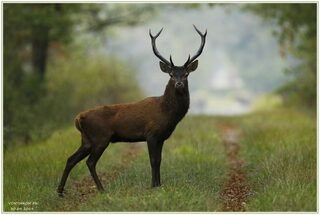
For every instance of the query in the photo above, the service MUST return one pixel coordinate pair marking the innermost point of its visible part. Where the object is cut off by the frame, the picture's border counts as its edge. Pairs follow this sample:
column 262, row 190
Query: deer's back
column 128, row 122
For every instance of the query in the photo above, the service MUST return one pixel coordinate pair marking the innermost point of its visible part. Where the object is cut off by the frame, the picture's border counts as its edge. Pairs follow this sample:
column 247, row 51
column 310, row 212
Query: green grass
column 279, row 148
column 280, row 152
column 193, row 167
column 32, row 172
column 192, row 172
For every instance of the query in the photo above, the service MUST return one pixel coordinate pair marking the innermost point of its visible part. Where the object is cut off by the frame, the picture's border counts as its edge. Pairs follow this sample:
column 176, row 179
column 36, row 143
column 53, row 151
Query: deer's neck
column 175, row 102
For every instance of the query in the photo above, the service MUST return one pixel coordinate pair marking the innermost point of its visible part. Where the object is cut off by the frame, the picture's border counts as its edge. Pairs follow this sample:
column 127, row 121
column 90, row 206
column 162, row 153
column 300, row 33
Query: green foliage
column 23, row 86
column 267, row 103
column 38, row 96
column 90, row 80
column 27, row 17
column 297, row 34
column 71, row 84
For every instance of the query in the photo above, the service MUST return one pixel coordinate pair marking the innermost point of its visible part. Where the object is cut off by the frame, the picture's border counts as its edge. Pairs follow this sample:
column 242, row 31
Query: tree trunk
column 40, row 44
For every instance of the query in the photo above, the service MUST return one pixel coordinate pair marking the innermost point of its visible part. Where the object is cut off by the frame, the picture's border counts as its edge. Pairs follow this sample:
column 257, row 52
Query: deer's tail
column 79, row 125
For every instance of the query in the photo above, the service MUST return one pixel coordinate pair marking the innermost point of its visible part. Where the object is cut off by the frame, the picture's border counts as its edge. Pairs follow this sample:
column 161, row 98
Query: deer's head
column 179, row 74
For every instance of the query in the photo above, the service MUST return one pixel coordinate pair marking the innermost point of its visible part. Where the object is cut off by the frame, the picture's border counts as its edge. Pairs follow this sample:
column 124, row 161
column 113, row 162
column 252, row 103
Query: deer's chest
column 163, row 129
column 164, row 132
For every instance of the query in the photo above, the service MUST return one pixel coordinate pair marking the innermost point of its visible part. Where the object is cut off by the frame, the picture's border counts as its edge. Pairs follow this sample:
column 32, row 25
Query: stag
column 152, row 119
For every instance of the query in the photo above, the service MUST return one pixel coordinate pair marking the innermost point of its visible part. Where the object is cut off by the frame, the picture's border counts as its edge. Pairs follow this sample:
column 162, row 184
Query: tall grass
column 280, row 152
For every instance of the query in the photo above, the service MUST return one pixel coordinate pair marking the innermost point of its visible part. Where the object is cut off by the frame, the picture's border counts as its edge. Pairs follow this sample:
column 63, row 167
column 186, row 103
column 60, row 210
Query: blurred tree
column 30, row 31
column 297, row 34
column 31, row 28
column 99, row 17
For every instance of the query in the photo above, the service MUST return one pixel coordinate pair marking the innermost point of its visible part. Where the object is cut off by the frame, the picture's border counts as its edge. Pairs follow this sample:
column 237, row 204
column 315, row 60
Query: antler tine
column 203, row 41
column 187, row 62
column 155, row 37
column 154, row 48
column 199, row 32
column 172, row 64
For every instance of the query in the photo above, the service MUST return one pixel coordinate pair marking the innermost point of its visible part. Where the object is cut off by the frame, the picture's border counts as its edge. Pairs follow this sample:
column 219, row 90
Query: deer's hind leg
column 96, row 152
column 82, row 152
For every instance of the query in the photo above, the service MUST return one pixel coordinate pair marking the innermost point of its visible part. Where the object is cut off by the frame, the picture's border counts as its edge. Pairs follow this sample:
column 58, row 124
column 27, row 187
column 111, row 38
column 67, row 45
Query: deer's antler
column 203, row 41
column 155, row 50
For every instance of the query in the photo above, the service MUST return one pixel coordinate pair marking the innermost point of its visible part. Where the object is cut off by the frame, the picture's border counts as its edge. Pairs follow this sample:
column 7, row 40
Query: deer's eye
column 171, row 74
column 186, row 74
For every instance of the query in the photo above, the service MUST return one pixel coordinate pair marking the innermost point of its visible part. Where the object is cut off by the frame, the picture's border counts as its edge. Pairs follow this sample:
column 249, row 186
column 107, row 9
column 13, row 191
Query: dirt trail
column 236, row 189
column 84, row 189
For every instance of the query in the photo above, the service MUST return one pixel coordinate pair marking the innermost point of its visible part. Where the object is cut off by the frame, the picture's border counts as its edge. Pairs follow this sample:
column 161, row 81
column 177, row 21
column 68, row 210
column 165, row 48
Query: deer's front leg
column 155, row 149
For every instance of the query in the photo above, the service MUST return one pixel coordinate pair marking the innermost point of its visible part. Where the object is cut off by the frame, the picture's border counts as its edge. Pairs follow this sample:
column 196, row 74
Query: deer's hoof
column 60, row 193
column 101, row 190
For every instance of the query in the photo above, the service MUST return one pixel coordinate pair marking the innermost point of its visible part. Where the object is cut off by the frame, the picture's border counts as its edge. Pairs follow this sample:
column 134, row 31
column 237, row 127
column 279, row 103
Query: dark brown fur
column 152, row 119
column 134, row 122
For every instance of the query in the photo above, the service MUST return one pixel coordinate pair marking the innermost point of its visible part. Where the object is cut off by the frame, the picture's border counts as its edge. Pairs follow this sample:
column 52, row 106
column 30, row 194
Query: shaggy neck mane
column 175, row 102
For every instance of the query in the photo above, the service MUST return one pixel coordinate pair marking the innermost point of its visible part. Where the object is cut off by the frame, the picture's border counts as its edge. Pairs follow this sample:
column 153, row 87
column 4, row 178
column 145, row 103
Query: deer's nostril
column 179, row 84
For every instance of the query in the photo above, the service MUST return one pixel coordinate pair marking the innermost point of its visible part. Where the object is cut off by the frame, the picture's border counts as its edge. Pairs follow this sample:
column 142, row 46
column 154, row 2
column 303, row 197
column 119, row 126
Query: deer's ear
column 192, row 66
column 164, row 67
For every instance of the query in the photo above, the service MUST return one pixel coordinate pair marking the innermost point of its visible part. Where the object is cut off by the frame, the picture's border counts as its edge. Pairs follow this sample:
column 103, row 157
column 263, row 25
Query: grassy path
column 236, row 189
column 209, row 164
column 85, row 189
column 280, row 149
column 192, row 166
